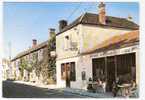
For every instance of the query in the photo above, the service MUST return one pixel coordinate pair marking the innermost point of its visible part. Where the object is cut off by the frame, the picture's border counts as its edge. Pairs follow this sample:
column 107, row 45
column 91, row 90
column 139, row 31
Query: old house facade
column 27, row 64
column 79, row 43
column 28, row 55
column 6, row 69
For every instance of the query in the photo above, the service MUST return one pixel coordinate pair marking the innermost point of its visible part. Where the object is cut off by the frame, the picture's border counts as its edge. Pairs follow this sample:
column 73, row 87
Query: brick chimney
column 62, row 24
column 102, row 17
column 34, row 42
column 51, row 32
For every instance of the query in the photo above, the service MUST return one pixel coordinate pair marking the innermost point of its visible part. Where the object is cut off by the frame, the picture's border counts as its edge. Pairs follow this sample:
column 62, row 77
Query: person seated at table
column 133, row 88
column 104, row 86
column 99, row 82
column 101, row 85
column 115, row 87
column 133, row 84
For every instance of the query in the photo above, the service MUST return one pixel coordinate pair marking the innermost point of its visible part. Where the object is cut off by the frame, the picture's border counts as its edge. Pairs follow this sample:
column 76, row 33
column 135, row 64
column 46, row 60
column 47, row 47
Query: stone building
column 37, row 52
column 6, row 69
column 88, row 46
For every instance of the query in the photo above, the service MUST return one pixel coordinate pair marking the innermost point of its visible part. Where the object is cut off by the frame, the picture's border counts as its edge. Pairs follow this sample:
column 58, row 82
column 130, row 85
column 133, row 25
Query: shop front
column 117, row 64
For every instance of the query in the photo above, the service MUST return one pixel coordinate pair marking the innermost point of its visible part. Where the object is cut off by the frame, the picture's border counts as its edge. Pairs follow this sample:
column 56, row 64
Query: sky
column 26, row 21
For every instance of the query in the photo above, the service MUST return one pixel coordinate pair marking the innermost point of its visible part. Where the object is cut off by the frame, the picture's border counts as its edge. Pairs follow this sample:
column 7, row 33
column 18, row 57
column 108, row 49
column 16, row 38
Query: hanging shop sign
column 53, row 53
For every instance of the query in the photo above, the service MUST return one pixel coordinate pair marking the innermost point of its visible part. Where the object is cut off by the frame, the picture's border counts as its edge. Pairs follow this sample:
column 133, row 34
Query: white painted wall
column 82, row 63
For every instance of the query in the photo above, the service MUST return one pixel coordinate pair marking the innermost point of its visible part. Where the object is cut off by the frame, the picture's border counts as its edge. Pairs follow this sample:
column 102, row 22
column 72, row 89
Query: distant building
column 96, row 46
column 37, row 51
column 6, row 70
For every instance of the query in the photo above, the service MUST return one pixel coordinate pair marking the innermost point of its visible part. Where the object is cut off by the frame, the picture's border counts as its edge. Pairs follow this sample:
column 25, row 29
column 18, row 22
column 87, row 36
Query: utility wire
column 74, row 10
column 85, row 9
column 90, row 7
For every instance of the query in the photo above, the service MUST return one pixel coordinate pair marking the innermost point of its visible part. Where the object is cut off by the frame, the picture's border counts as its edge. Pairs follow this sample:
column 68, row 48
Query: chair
column 134, row 92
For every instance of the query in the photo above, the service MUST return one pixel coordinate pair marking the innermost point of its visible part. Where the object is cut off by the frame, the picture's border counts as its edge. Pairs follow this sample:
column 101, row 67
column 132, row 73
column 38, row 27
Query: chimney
column 51, row 32
column 34, row 42
column 129, row 18
column 62, row 24
column 102, row 17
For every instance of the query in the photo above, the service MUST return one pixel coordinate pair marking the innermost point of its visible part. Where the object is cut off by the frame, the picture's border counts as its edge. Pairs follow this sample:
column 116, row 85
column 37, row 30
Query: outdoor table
column 124, row 88
column 92, row 82
column 94, row 85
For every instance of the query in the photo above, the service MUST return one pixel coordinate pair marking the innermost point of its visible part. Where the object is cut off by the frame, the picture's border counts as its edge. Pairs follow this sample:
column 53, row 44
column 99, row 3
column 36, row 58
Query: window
column 68, row 68
column 35, row 56
column 40, row 54
column 66, row 42
column 63, row 73
column 72, row 72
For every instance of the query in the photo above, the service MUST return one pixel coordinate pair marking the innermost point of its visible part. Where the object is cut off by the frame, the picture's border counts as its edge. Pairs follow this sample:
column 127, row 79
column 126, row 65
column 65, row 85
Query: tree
column 46, row 66
column 49, row 67
column 23, row 65
column 52, row 60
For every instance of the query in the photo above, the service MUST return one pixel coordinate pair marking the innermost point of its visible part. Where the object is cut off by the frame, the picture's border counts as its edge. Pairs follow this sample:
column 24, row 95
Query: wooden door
column 68, row 75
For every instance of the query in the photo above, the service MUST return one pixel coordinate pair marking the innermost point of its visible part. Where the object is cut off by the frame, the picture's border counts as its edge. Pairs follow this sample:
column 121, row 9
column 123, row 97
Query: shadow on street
column 16, row 90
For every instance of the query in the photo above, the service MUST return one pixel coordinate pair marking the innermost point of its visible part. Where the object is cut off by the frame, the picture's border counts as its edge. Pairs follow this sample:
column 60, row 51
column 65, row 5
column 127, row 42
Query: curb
column 88, row 94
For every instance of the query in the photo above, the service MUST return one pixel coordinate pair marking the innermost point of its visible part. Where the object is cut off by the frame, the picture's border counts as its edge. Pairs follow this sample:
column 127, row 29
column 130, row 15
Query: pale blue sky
column 25, row 21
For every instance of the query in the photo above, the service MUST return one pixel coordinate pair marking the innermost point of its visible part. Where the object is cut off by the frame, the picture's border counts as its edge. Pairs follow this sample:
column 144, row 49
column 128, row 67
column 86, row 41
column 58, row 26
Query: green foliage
column 23, row 64
column 47, row 65
column 52, row 60
column 26, row 64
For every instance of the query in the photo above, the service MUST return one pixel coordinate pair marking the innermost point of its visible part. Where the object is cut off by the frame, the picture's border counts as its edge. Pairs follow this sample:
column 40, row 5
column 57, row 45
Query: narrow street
column 16, row 90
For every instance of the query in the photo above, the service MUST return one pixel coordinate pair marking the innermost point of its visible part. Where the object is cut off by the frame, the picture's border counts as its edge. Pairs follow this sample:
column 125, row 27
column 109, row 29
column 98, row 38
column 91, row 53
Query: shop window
column 126, row 66
column 98, row 68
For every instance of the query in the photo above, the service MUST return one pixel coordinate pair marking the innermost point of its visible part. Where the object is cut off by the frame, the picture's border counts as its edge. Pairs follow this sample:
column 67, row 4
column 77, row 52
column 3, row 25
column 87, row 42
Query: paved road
column 16, row 90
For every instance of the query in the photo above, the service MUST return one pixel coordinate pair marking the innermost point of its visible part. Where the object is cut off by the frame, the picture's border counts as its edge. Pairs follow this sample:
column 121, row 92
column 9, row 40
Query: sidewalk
column 85, row 93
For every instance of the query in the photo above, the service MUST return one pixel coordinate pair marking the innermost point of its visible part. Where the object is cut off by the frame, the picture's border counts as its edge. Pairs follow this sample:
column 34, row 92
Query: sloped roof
column 119, row 41
column 30, row 50
column 93, row 19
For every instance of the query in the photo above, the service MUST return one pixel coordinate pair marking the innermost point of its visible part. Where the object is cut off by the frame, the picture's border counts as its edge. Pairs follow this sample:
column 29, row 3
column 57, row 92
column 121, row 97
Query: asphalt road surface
column 16, row 90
